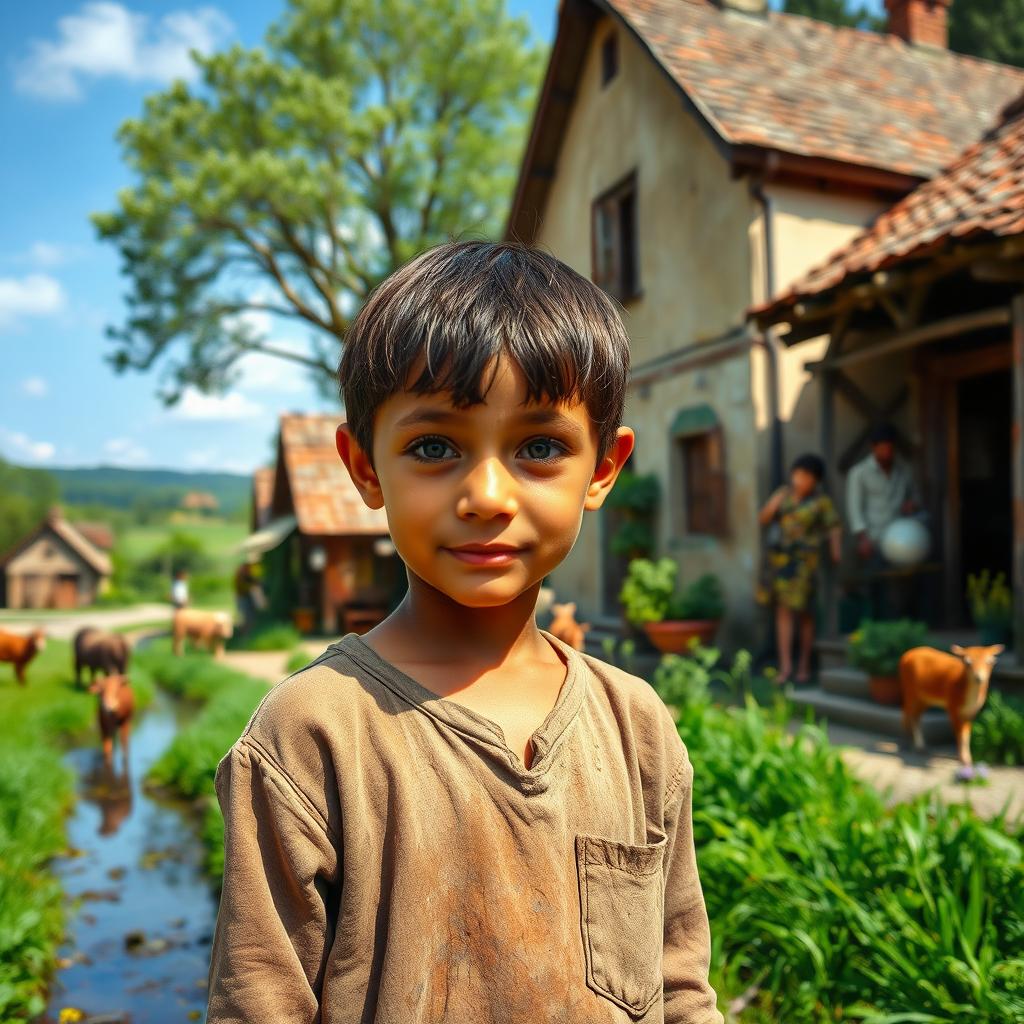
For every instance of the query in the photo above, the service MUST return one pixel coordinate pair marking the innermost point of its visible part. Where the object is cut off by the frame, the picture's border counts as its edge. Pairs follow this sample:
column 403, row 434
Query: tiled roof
column 262, row 495
column 99, row 534
column 325, row 499
column 804, row 87
column 981, row 195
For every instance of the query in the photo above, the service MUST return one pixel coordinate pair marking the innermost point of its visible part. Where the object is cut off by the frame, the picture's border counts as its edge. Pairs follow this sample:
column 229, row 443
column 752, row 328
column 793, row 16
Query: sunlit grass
column 36, row 791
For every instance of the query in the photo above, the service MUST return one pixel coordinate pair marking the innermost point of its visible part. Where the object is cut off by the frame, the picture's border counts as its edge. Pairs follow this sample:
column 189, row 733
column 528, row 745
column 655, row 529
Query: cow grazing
column 100, row 652
column 957, row 682
column 20, row 650
column 203, row 628
column 114, row 713
column 564, row 626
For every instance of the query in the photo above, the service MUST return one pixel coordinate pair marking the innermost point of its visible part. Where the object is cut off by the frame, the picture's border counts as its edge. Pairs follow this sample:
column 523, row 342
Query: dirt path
column 64, row 625
column 888, row 764
column 270, row 665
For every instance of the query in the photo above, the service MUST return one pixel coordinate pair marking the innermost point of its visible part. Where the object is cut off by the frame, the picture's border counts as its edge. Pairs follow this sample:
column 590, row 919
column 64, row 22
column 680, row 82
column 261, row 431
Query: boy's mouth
column 485, row 554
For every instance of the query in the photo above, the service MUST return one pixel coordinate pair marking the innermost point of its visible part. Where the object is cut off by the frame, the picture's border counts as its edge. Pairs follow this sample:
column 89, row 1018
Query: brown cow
column 204, row 629
column 114, row 713
column 957, row 682
column 20, row 650
column 100, row 652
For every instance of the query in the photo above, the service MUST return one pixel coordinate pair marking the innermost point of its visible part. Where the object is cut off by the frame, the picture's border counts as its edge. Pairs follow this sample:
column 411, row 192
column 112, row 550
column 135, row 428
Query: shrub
column 991, row 604
column 829, row 905
column 297, row 661
column 876, row 647
column 998, row 733
column 649, row 594
column 277, row 636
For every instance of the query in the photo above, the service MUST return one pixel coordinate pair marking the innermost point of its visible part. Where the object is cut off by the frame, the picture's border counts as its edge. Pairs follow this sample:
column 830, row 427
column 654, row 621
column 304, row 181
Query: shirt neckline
column 546, row 738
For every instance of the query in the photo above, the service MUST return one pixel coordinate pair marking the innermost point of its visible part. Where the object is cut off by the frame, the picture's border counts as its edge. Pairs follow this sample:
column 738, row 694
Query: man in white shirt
column 179, row 589
column 880, row 489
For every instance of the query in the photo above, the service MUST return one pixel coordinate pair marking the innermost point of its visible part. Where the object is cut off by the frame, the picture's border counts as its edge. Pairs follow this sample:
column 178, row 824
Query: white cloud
column 17, row 445
column 123, row 451
column 49, row 254
column 194, row 405
column 35, row 387
column 106, row 39
column 32, row 295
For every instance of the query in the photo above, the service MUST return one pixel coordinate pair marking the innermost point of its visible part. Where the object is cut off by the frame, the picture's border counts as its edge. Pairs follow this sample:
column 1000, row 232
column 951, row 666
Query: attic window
column 614, row 241
column 609, row 58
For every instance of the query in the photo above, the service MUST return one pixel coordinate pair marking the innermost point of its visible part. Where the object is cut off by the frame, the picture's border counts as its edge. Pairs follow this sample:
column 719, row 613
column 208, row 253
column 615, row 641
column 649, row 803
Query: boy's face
column 483, row 502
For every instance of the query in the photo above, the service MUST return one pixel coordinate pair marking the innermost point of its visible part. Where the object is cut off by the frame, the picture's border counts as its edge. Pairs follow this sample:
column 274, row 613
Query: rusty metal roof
column 325, row 500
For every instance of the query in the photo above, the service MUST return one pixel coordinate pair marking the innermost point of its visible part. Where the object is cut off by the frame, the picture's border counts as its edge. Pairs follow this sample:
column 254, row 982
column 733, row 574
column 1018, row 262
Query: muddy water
column 137, row 946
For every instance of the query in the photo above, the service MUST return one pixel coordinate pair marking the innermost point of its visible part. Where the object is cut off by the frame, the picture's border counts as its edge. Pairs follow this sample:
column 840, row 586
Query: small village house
column 55, row 566
column 201, row 502
column 696, row 158
column 322, row 549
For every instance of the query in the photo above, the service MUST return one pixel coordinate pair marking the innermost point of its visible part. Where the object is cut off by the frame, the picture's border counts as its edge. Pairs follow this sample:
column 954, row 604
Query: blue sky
column 70, row 72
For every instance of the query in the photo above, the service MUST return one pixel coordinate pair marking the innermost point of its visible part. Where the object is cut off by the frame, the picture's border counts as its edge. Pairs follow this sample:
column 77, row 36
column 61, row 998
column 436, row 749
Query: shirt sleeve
column 855, row 501
column 689, row 997
column 278, row 905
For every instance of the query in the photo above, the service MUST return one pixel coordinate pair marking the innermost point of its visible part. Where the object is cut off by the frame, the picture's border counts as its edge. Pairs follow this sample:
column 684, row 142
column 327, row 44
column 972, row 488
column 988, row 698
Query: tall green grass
column 833, row 907
column 36, row 792
column 227, row 698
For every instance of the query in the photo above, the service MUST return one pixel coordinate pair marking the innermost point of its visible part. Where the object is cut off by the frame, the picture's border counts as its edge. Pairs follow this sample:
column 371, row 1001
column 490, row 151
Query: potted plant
column 634, row 497
column 991, row 605
column 671, row 620
column 876, row 647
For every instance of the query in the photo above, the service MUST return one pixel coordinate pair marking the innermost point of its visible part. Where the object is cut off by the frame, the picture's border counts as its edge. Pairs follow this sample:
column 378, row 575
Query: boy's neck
column 429, row 627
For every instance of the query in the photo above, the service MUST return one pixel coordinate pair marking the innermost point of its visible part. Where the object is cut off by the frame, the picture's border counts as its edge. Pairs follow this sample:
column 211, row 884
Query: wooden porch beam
column 998, row 271
column 849, row 457
column 1017, row 334
column 897, row 341
column 870, row 410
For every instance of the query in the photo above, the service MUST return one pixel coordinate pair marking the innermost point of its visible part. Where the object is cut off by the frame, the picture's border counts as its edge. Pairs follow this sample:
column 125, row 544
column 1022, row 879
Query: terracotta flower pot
column 885, row 689
column 674, row 636
column 304, row 619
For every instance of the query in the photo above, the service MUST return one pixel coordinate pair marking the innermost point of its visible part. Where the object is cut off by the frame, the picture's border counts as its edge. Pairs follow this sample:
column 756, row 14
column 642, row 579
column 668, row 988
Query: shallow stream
column 138, row 944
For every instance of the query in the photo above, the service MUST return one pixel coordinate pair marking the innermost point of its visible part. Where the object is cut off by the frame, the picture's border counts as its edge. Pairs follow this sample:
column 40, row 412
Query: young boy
column 456, row 817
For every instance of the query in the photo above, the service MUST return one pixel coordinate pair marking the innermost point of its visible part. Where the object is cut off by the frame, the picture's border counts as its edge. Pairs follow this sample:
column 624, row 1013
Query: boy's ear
column 608, row 468
column 360, row 467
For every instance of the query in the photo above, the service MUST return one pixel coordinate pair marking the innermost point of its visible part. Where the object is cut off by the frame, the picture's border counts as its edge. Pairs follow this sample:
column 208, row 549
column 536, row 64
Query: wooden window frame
column 609, row 58
column 615, row 249
column 704, row 503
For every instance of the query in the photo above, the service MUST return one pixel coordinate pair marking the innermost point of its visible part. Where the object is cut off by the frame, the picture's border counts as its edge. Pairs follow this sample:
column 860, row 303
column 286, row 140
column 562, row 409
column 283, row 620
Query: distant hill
column 154, row 488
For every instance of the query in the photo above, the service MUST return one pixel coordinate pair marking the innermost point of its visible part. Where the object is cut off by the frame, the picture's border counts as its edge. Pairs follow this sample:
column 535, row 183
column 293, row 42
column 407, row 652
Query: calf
column 100, row 652
column 204, row 629
column 20, row 650
column 564, row 626
column 114, row 713
column 957, row 682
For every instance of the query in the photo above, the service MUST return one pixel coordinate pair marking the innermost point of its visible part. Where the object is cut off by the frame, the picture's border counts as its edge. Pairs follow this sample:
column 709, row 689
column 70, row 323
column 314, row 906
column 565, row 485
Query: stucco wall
column 693, row 225
column 809, row 226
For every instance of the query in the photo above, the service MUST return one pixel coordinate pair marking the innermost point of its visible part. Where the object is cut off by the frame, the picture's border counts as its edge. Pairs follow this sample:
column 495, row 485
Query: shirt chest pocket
column 622, row 914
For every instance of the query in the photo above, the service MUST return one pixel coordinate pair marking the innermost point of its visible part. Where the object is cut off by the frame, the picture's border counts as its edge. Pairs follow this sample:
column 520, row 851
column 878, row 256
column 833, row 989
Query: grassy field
column 219, row 540
column 36, row 791
column 226, row 699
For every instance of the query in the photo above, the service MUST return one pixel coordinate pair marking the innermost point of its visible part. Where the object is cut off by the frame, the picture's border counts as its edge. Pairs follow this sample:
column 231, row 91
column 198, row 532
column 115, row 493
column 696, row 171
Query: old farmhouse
column 696, row 158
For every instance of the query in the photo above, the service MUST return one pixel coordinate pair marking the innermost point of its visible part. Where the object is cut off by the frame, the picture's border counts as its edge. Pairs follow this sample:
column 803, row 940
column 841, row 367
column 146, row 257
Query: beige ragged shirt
column 389, row 859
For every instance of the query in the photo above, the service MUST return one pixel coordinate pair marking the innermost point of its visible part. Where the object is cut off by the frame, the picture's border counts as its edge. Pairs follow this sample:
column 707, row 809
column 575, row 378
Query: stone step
column 845, row 681
column 864, row 714
column 831, row 654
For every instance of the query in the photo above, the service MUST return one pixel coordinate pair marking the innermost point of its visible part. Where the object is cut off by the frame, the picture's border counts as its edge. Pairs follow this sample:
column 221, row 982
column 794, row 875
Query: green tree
column 26, row 495
column 297, row 175
column 993, row 29
column 835, row 12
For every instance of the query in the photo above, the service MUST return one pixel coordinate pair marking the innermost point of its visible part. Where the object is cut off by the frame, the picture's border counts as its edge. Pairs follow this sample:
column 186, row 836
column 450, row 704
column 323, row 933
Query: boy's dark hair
column 810, row 463
column 447, row 314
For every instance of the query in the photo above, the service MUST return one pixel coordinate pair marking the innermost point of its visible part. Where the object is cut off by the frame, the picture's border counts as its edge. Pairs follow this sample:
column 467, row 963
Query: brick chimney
column 922, row 22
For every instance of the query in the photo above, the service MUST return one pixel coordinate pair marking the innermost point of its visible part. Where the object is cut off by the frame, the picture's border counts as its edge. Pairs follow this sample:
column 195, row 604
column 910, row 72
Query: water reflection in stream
column 137, row 948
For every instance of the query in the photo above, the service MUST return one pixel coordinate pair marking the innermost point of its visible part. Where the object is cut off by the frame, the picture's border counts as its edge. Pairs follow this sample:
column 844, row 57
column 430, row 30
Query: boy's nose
column 488, row 491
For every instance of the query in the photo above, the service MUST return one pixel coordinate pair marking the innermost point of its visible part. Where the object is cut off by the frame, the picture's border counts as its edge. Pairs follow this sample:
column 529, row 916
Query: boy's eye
column 542, row 449
column 432, row 449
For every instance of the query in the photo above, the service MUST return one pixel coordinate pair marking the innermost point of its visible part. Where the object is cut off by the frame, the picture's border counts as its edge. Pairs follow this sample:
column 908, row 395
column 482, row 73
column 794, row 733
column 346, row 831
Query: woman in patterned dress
column 804, row 518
